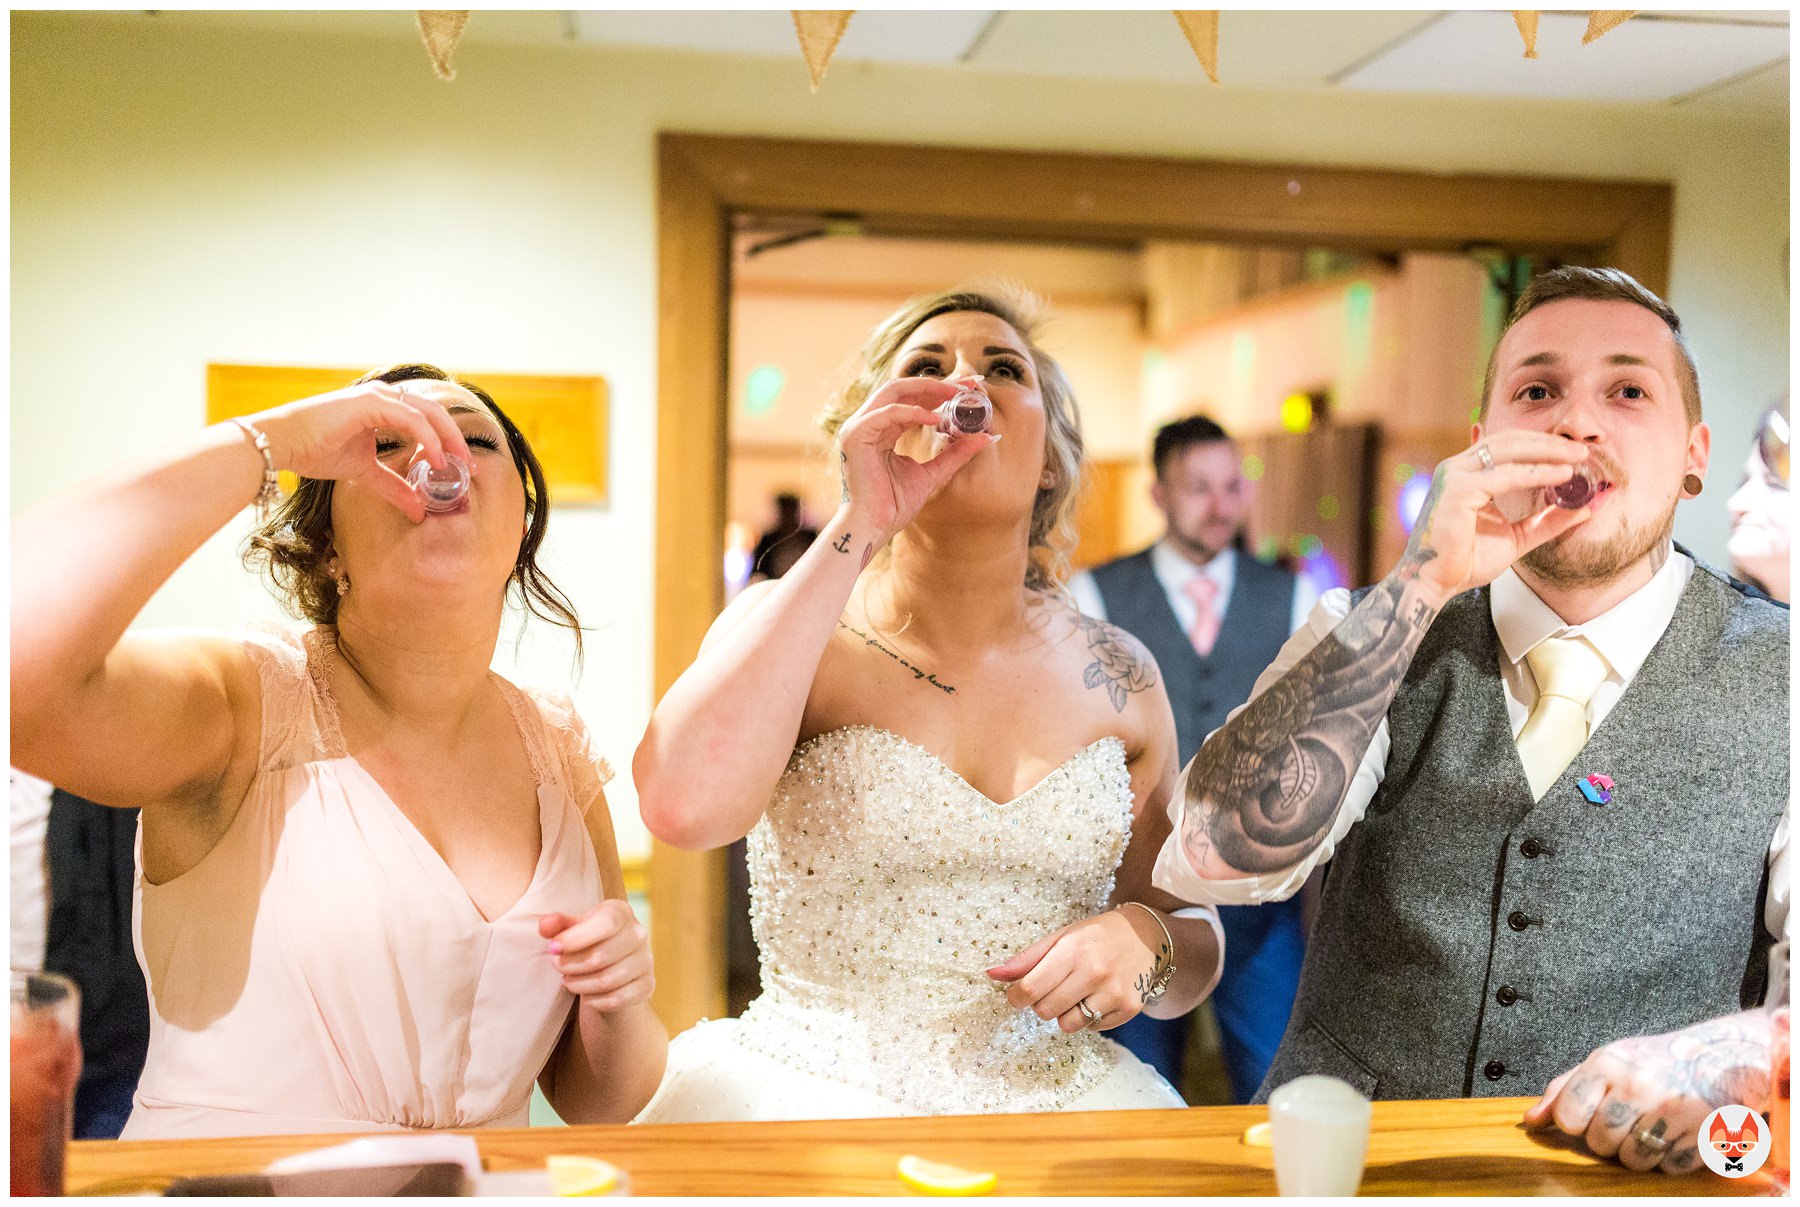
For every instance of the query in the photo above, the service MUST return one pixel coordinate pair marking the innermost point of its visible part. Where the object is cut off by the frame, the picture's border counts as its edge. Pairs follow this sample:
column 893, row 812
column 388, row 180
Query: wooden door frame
column 896, row 189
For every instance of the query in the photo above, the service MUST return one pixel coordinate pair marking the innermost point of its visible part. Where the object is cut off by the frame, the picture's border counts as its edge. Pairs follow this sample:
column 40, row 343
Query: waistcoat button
column 1493, row 1070
column 1507, row 995
column 1517, row 920
column 1530, row 848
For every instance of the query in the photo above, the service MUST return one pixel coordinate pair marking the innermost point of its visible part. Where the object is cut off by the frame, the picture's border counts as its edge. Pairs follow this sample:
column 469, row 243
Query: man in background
column 780, row 548
column 1214, row 617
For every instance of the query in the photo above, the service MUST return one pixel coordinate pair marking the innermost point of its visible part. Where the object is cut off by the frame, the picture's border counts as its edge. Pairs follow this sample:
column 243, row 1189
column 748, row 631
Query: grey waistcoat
column 1471, row 943
column 1202, row 690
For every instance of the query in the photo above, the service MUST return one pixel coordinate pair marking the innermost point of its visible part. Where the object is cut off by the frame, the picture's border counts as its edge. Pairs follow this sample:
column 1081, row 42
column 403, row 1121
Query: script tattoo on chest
column 1121, row 665
column 917, row 673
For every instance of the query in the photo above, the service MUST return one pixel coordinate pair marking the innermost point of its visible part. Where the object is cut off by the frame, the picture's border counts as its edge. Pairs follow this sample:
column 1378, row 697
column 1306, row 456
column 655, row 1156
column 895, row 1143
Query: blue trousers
column 1264, row 945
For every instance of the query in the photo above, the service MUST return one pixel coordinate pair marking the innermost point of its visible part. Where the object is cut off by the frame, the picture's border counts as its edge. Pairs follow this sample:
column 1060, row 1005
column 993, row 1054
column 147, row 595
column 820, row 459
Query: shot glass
column 46, row 1062
column 968, row 413
column 1320, row 1129
column 442, row 489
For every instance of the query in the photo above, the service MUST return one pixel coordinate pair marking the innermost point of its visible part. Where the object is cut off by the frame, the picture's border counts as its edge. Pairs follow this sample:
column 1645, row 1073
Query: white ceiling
column 1713, row 59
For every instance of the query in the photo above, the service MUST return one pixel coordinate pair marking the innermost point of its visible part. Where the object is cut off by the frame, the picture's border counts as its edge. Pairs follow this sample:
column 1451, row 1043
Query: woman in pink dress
column 375, row 878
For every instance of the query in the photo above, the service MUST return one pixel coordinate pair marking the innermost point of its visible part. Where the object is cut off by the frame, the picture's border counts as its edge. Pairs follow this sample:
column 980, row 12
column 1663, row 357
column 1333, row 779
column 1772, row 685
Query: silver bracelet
column 270, row 494
column 1159, row 981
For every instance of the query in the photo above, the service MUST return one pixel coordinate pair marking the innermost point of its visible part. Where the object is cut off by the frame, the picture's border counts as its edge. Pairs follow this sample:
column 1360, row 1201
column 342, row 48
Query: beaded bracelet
column 271, row 482
column 1159, row 981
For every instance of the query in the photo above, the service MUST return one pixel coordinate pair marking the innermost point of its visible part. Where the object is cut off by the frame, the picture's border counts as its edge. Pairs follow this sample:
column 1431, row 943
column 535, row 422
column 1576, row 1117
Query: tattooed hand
column 1660, row 1086
column 1461, row 540
column 1263, row 791
column 1105, row 961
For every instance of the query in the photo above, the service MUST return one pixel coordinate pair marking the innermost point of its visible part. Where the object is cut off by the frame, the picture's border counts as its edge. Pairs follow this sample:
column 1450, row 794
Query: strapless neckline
column 908, row 743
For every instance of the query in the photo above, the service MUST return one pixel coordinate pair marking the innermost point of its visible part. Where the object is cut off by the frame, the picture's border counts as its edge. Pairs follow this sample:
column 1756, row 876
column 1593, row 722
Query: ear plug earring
column 1692, row 485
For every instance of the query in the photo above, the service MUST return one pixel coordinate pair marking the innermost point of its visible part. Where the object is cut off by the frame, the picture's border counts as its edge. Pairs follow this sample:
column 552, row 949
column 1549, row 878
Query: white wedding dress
column 882, row 886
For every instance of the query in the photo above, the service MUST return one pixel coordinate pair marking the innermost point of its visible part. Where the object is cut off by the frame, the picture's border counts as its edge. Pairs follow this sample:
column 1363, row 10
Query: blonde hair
column 1053, row 532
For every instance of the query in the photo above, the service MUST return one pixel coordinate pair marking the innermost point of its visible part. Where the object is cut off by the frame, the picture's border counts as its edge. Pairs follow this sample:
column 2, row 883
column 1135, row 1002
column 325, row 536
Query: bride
column 954, row 784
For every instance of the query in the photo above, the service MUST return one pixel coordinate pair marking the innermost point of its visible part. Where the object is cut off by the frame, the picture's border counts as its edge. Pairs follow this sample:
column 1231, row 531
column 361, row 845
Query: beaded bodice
column 883, row 885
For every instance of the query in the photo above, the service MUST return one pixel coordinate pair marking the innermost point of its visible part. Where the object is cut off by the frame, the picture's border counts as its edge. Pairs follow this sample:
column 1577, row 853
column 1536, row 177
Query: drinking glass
column 46, row 1061
column 1320, row 1127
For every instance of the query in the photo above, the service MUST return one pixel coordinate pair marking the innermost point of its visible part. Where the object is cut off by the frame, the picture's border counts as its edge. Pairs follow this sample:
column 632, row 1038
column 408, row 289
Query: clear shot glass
column 442, row 489
column 967, row 414
column 1576, row 493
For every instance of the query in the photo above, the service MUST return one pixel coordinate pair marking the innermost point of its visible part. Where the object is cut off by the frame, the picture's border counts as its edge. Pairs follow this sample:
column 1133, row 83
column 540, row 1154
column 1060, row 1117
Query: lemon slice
column 1259, row 1135
column 929, row 1177
column 578, row 1177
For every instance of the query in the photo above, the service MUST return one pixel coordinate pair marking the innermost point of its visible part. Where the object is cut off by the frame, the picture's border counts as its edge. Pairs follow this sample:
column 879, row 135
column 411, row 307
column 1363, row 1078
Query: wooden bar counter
column 1467, row 1147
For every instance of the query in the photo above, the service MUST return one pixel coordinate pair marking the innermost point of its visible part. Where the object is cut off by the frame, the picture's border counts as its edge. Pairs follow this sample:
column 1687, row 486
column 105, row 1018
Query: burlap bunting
column 441, row 27
column 1202, row 29
column 819, row 30
column 1526, row 20
column 1599, row 21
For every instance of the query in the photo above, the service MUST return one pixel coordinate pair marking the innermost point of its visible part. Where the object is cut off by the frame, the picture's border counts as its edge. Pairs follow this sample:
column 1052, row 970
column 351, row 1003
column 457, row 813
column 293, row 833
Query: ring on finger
column 1652, row 1140
column 1486, row 458
column 1089, row 1013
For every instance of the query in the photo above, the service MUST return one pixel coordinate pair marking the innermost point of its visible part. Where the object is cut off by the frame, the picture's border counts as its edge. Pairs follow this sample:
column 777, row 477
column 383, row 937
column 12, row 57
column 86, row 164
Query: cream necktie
column 1568, row 670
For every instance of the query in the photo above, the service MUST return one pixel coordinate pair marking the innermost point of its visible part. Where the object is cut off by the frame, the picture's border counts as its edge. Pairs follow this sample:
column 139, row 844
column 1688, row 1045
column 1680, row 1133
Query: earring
column 1692, row 486
column 1047, row 481
column 343, row 583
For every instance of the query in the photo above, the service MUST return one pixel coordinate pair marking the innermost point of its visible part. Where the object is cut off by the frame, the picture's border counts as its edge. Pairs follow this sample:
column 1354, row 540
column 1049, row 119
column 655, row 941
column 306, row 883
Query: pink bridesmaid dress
column 323, row 970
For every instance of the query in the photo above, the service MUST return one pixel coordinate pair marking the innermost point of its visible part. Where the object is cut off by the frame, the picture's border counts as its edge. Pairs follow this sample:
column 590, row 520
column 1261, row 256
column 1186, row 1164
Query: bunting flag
column 1526, row 20
column 1601, row 20
column 819, row 30
column 441, row 27
column 1202, row 29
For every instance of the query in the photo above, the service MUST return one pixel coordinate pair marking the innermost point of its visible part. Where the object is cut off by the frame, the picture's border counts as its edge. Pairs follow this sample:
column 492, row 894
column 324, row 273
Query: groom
column 1510, row 896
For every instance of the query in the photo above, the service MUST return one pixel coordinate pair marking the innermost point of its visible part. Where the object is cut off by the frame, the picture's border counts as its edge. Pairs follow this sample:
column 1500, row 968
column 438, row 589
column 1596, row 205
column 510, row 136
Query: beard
column 1568, row 561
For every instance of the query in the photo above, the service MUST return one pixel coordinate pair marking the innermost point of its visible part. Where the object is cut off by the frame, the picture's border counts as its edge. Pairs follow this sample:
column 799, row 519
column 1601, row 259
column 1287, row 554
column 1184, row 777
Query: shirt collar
column 1624, row 635
column 1172, row 566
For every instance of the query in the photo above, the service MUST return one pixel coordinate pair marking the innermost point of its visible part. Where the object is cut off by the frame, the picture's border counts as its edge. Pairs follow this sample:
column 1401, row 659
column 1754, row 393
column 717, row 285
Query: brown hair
column 1053, row 532
column 294, row 545
column 1601, row 285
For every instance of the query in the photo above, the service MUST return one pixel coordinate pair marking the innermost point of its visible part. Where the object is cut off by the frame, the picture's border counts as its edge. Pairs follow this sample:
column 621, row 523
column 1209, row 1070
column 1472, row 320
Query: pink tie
column 1203, row 591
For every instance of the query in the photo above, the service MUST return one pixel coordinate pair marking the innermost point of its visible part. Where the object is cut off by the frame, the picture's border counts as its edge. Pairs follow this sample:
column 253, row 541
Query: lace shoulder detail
column 558, row 743
column 299, row 721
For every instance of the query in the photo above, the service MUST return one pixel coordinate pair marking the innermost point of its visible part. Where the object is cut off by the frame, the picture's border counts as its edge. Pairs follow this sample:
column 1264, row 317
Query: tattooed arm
column 1264, row 790
column 1659, row 1087
column 719, row 739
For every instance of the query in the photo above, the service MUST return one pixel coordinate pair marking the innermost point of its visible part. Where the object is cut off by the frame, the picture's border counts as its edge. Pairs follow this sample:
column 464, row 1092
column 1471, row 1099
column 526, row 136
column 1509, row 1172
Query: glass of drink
column 967, row 413
column 1320, row 1129
column 46, row 1061
column 442, row 489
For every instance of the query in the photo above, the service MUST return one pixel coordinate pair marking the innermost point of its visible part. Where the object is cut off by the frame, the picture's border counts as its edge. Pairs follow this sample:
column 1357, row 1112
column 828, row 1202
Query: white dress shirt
column 1624, row 636
column 30, row 877
column 1174, row 571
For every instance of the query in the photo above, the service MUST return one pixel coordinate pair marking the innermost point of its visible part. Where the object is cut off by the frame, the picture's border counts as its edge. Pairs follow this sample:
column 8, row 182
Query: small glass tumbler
column 442, row 489
column 46, row 1062
column 1574, row 494
column 966, row 414
column 1320, row 1128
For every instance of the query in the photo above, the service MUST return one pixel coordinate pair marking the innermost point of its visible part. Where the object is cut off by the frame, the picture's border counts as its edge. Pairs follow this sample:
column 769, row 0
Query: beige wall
column 182, row 197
